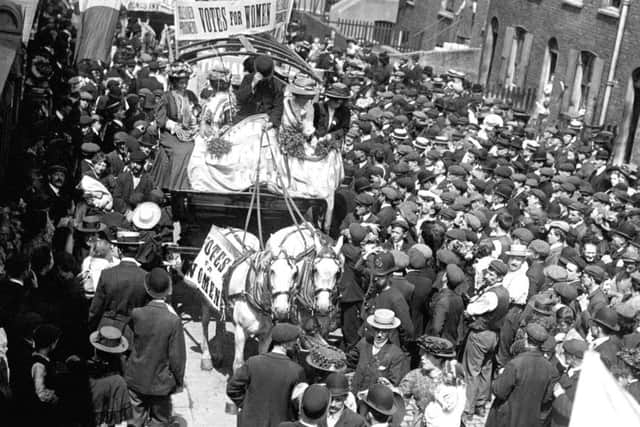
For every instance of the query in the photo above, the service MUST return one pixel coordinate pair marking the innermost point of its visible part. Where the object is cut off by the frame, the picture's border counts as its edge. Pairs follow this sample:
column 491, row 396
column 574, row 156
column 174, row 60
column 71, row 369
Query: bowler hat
column 315, row 401
column 157, row 283
column 264, row 65
column 608, row 318
column 380, row 399
column 338, row 384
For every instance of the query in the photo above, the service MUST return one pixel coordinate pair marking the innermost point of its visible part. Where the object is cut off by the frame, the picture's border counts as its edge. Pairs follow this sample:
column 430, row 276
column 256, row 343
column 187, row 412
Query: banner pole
column 175, row 28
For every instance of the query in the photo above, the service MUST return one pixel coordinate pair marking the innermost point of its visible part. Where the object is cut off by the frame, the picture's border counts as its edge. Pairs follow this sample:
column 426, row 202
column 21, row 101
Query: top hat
column 109, row 339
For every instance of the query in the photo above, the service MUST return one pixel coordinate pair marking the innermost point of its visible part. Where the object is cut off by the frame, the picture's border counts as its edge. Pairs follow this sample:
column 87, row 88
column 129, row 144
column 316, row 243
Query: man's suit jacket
column 12, row 296
column 446, row 315
column 158, row 352
column 340, row 121
column 262, row 389
column 120, row 290
column 268, row 98
column 562, row 405
column 609, row 351
column 390, row 362
column 348, row 418
column 124, row 189
column 423, row 282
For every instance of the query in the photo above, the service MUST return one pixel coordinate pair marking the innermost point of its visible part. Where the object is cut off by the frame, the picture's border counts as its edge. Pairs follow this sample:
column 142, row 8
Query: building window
column 581, row 82
column 446, row 5
column 610, row 8
column 552, row 48
column 515, row 56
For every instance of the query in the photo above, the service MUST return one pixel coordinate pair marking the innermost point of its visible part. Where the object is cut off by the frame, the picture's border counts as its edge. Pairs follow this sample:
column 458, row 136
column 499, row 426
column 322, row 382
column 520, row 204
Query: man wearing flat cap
column 262, row 387
column 524, row 385
column 260, row 92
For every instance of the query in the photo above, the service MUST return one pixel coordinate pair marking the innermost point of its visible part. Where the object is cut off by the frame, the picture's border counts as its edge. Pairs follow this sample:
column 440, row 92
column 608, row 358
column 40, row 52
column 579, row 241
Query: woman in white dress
column 297, row 130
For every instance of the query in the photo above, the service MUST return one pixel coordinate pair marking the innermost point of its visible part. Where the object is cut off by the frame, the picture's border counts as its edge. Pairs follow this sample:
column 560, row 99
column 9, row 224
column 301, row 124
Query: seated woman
column 297, row 129
column 177, row 122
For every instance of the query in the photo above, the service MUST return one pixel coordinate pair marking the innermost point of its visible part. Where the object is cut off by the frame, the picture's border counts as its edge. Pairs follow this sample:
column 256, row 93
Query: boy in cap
column 262, row 387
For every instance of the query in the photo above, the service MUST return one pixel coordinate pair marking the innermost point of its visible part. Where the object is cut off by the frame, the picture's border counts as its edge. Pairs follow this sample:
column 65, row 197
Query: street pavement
column 202, row 402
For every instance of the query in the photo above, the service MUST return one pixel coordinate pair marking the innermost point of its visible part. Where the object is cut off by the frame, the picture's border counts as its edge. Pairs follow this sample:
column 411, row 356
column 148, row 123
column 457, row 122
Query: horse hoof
column 206, row 365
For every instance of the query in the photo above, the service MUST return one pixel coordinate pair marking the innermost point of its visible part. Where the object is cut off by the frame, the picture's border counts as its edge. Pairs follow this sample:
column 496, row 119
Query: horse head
column 327, row 269
column 282, row 276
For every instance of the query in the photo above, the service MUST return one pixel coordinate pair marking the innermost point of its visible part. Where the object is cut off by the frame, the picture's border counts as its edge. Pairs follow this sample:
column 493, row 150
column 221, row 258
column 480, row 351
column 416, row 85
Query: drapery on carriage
column 223, row 184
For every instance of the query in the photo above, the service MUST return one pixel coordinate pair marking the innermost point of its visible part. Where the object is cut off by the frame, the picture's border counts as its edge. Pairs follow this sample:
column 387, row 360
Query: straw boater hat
column 125, row 237
column 146, row 215
column 517, row 251
column 109, row 339
column 383, row 318
column 303, row 86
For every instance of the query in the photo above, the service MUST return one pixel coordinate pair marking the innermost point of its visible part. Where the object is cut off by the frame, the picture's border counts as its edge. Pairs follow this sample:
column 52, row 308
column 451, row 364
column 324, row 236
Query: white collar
column 18, row 281
column 599, row 341
column 133, row 260
column 55, row 189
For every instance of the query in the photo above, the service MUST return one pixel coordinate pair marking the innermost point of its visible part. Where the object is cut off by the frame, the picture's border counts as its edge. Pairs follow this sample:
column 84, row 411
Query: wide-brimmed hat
column 400, row 134
column 218, row 72
column 146, row 215
column 380, row 399
column 109, row 339
column 180, row 70
column 157, row 283
column 303, row 86
column 338, row 91
column 383, row 318
column 517, row 250
column 91, row 224
column 126, row 237
column 327, row 358
column 436, row 346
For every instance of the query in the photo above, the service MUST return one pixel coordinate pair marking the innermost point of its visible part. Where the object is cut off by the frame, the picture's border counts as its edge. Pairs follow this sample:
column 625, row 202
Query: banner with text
column 212, row 19
column 211, row 264
column 161, row 6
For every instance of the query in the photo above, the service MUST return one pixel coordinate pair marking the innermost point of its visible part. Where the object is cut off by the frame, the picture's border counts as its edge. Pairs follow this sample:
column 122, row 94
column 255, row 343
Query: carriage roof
column 246, row 45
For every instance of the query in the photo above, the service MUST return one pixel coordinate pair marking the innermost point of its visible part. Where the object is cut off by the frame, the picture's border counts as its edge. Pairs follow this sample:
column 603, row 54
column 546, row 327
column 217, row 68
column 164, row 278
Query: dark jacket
column 124, row 189
column 262, row 388
column 446, row 315
column 351, row 285
column 340, row 121
column 390, row 362
column 422, row 294
column 348, row 418
column 562, row 405
column 158, row 352
column 12, row 296
column 119, row 290
column 608, row 351
column 521, row 390
column 268, row 98
column 393, row 300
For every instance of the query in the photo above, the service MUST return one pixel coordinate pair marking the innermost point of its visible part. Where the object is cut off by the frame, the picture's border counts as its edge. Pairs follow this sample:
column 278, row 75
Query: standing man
column 487, row 312
column 155, row 369
column 120, row 288
column 260, row 92
column 524, row 385
column 339, row 415
column 261, row 388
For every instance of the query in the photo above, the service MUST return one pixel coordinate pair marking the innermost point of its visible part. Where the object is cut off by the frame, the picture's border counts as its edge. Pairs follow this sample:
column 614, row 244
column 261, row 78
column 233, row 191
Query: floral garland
column 292, row 142
column 324, row 146
column 217, row 146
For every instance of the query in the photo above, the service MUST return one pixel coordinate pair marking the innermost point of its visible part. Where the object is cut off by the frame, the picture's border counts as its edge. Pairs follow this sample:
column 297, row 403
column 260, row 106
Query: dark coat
column 262, row 388
column 268, row 98
column 405, row 287
column 421, row 297
column 12, row 296
column 390, row 362
column 348, row 418
column 120, row 290
column 116, row 163
column 562, row 405
column 521, row 390
column 124, row 189
column 393, row 300
column 446, row 315
column 608, row 351
column 351, row 287
column 158, row 352
column 339, row 125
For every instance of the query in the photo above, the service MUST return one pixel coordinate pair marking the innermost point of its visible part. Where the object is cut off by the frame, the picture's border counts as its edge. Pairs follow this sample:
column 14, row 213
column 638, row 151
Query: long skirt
column 169, row 168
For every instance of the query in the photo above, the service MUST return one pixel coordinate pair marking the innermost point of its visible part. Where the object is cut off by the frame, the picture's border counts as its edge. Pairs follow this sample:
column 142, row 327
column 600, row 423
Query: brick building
column 564, row 49
column 431, row 23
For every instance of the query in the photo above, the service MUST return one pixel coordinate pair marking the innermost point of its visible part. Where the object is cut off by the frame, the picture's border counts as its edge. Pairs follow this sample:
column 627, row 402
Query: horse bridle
column 291, row 262
column 328, row 254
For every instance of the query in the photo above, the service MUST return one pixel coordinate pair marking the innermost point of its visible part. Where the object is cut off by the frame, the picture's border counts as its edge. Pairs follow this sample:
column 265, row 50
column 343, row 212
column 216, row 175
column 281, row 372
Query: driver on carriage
column 260, row 92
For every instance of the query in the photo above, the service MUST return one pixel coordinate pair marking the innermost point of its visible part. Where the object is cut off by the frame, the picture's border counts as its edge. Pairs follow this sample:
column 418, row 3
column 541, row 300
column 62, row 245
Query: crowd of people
column 485, row 249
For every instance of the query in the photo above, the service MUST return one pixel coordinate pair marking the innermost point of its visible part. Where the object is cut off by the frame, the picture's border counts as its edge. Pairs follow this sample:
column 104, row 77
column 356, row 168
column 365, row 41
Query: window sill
column 578, row 4
column 612, row 12
column 446, row 14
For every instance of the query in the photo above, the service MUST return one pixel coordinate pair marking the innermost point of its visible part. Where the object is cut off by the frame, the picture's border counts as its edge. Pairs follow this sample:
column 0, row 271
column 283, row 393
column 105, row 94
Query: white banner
column 212, row 19
column 162, row 6
column 208, row 269
column 86, row 4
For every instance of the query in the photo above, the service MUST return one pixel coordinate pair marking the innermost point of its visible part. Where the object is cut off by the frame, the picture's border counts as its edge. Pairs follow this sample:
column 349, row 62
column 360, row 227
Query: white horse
column 266, row 287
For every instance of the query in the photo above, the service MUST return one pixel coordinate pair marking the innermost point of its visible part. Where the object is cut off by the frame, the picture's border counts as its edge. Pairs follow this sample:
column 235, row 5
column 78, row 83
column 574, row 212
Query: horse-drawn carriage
column 250, row 223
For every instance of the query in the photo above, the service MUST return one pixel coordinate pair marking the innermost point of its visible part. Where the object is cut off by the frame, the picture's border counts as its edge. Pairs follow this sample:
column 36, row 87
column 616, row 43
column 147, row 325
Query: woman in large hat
column 218, row 111
column 177, row 123
column 110, row 399
column 297, row 128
